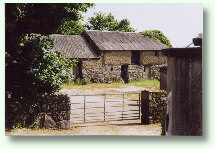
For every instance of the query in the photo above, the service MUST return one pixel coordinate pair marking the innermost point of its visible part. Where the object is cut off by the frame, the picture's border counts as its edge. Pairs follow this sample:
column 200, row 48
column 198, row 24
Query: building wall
column 184, row 80
column 152, row 58
column 116, row 57
column 97, row 72
column 135, row 72
column 109, row 67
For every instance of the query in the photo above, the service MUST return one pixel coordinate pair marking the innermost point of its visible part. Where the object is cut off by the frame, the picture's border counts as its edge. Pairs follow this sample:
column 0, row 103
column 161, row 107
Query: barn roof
column 73, row 46
column 92, row 42
column 114, row 40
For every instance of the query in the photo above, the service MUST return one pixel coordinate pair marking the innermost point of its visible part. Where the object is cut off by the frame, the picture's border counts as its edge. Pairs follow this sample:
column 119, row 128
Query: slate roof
column 114, row 40
column 73, row 46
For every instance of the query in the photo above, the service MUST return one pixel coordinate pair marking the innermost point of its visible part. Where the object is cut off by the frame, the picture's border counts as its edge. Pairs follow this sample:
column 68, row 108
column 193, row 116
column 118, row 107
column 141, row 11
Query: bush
column 35, row 70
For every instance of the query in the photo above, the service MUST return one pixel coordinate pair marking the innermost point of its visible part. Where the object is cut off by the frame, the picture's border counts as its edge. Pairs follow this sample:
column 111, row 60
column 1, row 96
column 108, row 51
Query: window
column 156, row 53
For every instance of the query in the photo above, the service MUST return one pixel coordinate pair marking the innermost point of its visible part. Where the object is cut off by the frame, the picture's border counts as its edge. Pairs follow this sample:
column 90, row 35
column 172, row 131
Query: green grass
column 148, row 83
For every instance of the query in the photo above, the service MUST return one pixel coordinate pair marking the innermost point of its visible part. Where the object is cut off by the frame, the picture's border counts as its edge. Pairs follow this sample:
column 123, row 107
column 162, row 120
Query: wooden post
column 145, row 107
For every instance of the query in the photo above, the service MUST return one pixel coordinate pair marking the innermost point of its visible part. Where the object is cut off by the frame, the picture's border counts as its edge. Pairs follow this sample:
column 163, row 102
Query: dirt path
column 96, row 129
column 122, row 89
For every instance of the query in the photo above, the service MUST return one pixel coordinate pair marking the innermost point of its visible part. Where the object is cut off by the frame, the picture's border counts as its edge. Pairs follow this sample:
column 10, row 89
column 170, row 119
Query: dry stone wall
column 112, row 73
column 97, row 72
column 102, row 74
column 153, row 106
column 55, row 112
column 155, row 71
column 116, row 57
column 157, row 106
column 136, row 71
column 108, row 68
column 149, row 58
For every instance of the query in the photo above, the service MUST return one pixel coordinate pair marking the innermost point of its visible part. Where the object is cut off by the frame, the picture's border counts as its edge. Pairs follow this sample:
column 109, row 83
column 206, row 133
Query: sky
column 179, row 22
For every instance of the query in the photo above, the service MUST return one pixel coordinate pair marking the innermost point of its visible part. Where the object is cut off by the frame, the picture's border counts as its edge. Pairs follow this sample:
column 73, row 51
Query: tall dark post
column 145, row 107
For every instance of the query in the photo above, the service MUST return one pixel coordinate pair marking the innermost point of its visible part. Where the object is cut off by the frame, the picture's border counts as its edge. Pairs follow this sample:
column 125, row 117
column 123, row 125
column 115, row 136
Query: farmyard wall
column 116, row 57
column 152, row 58
column 153, row 106
column 109, row 69
column 56, row 110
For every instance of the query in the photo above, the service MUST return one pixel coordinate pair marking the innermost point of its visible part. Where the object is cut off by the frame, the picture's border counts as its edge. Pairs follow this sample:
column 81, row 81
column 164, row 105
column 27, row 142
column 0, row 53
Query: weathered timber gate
column 105, row 107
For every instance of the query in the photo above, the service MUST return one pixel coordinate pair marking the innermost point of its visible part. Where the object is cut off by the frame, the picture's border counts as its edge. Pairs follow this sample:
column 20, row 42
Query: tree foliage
column 104, row 22
column 43, row 18
column 158, row 35
column 36, row 70
column 71, row 28
column 31, row 67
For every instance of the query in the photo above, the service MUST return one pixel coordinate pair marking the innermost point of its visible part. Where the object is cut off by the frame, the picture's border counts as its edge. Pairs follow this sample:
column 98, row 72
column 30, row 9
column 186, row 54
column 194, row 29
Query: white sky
column 179, row 22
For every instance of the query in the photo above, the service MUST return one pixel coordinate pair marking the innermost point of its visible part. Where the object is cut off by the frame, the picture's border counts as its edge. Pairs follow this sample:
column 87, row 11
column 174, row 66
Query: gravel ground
column 95, row 129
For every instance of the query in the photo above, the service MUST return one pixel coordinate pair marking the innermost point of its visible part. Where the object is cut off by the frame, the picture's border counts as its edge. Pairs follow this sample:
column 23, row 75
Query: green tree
column 70, row 28
column 31, row 67
column 103, row 22
column 158, row 35
column 36, row 70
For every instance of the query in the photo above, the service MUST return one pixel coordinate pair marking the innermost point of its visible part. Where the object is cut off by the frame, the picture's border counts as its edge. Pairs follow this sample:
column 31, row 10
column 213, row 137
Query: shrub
column 35, row 70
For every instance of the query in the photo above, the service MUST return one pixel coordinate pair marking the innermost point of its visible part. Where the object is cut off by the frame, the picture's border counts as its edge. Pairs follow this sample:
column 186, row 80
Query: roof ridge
column 63, row 35
column 110, row 31
column 115, row 40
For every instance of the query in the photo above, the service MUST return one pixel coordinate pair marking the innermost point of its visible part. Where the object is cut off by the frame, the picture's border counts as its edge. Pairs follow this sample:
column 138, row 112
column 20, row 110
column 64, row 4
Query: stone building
column 107, row 56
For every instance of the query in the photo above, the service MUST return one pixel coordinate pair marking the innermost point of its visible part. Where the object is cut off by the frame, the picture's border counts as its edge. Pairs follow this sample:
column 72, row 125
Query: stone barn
column 108, row 56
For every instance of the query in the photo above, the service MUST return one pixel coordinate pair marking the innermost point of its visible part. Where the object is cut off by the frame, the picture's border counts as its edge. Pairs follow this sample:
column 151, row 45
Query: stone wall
column 106, row 69
column 96, row 72
column 116, row 57
column 155, row 71
column 109, row 67
column 153, row 106
column 55, row 112
column 136, row 71
column 112, row 73
column 152, row 58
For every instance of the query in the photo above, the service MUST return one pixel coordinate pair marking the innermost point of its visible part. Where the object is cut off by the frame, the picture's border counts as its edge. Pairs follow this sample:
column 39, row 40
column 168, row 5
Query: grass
column 148, row 83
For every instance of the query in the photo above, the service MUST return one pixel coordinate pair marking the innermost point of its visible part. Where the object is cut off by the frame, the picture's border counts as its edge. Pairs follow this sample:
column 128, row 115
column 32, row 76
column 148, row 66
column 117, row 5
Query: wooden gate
column 105, row 107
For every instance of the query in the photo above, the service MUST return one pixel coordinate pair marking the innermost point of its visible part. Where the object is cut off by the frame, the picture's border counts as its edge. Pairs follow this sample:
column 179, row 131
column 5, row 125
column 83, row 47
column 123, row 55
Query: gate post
column 145, row 107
